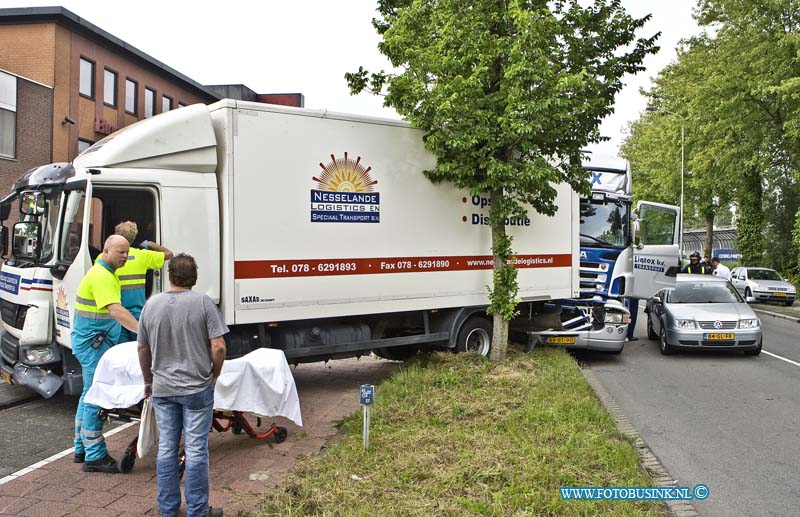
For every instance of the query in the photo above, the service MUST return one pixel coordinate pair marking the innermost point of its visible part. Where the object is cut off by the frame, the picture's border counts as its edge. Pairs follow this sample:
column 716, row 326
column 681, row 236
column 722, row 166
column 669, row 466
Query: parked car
column 759, row 284
column 702, row 313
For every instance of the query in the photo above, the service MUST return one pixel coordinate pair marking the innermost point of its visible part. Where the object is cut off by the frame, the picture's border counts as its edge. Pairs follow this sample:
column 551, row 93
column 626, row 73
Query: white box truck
column 316, row 233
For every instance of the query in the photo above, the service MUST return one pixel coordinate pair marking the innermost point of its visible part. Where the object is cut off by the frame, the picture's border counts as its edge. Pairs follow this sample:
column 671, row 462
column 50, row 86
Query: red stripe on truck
column 244, row 269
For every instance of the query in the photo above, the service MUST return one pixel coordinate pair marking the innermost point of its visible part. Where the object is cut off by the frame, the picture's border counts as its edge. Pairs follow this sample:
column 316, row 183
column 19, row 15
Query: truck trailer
column 316, row 233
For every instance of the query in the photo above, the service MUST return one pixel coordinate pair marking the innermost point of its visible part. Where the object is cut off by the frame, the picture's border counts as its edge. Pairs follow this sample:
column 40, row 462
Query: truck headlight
column 616, row 318
column 685, row 324
column 38, row 355
column 748, row 324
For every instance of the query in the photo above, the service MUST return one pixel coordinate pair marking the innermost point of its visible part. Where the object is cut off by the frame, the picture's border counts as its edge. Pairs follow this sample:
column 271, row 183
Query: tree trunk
column 709, row 247
column 500, row 329
column 750, row 219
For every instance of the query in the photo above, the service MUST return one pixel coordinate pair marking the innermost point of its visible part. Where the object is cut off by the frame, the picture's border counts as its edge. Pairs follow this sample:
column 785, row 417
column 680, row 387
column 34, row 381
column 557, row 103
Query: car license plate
column 5, row 376
column 709, row 336
column 560, row 340
column 780, row 295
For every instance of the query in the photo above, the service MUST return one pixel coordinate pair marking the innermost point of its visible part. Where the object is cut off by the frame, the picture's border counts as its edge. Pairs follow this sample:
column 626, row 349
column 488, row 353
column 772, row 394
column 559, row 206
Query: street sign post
column 367, row 398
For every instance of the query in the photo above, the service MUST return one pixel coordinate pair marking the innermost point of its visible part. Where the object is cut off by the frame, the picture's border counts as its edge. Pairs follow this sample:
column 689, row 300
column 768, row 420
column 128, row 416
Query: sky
column 307, row 46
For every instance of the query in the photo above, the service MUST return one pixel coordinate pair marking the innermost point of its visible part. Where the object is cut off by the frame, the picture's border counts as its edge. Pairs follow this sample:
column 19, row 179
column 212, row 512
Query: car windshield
column 704, row 292
column 763, row 274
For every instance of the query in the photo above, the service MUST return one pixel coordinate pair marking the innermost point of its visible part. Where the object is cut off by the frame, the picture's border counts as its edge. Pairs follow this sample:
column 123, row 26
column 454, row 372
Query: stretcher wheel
column 281, row 434
column 127, row 462
column 236, row 427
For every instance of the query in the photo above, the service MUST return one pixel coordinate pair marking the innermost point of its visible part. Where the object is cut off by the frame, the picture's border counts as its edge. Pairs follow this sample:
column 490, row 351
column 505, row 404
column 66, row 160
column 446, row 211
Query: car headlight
column 685, row 324
column 616, row 318
column 38, row 355
column 748, row 324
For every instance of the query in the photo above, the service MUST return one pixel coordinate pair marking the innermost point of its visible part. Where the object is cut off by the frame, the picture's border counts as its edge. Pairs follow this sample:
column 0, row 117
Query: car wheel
column 650, row 332
column 756, row 350
column 666, row 348
column 747, row 293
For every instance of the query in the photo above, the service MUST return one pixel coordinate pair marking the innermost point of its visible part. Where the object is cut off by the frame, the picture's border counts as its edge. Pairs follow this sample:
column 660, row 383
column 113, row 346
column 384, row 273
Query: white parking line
column 776, row 356
column 54, row 457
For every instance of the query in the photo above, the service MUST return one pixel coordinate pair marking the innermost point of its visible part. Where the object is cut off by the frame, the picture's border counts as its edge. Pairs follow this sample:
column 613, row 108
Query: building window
column 83, row 145
column 149, row 102
column 131, row 96
column 87, row 78
column 8, row 115
column 110, row 87
column 166, row 104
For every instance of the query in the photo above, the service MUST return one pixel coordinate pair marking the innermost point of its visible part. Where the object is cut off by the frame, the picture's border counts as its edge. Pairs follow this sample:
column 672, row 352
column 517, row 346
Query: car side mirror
column 657, row 299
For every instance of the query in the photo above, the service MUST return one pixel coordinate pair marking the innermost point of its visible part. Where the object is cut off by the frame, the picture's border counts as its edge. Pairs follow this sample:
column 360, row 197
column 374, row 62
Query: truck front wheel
column 475, row 336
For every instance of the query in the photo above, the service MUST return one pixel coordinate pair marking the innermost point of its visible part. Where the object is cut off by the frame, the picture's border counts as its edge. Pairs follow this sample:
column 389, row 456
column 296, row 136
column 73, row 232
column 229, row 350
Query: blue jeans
column 633, row 306
column 190, row 414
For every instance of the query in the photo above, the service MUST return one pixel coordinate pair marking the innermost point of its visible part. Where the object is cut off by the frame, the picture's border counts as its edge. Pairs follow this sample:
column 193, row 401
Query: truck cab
column 626, row 253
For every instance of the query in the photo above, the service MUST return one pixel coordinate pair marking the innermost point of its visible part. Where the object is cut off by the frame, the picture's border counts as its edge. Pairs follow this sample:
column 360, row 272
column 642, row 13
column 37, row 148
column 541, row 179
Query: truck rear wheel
column 475, row 336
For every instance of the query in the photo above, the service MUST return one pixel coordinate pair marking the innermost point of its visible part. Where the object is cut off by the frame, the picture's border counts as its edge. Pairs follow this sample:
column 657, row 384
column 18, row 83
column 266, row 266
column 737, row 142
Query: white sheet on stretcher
column 260, row 382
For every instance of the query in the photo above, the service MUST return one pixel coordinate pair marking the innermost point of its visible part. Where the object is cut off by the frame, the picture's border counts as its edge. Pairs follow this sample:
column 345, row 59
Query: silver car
column 702, row 313
column 759, row 284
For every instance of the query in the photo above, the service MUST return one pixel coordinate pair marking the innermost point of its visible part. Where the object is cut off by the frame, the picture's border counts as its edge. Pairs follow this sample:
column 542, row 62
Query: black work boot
column 108, row 465
column 214, row 512
column 79, row 457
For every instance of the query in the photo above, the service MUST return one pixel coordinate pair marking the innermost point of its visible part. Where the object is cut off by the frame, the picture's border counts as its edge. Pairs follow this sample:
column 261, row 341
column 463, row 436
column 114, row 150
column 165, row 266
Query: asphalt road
column 37, row 430
column 728, row 421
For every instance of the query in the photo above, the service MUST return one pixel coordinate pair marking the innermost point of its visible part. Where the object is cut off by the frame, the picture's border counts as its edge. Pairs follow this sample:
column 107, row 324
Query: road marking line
column 58, row 456
column 776, row 356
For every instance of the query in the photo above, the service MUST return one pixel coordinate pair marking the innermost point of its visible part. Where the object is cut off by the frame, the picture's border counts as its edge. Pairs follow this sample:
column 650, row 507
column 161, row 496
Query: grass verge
column 455, row 435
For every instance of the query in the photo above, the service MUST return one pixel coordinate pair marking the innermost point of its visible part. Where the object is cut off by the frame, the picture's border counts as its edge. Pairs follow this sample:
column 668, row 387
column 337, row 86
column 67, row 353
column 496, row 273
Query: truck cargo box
column 330, row 215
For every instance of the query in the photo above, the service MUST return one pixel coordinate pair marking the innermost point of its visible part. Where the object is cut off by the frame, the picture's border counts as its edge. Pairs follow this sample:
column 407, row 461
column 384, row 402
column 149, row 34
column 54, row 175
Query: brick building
column 65, row 83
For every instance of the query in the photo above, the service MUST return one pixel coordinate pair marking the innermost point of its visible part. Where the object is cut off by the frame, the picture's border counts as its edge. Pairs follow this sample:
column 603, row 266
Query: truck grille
column 13, row 314
column 709, row 325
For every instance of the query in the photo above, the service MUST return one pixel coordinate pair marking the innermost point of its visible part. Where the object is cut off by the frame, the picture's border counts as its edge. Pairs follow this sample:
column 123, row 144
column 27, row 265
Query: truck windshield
column 605, row 224
column 49, row 224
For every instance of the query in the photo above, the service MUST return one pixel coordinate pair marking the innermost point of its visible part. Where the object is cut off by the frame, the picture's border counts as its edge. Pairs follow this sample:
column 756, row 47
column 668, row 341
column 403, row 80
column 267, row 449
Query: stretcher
column 255, row 386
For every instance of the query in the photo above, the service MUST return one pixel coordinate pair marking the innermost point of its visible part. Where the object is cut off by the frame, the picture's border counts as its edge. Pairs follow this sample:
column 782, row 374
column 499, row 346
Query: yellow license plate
column 560, row 341
column 5, row 376
column 719, row 337
column 780, row 294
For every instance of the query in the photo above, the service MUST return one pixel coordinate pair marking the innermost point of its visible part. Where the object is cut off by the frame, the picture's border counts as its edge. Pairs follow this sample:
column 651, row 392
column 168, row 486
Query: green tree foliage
column 736, row 89
column 508, row 93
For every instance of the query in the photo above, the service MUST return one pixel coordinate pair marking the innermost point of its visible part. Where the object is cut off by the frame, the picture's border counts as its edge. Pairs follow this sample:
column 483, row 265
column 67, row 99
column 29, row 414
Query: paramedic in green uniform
column 132, row 275
column 98, row 316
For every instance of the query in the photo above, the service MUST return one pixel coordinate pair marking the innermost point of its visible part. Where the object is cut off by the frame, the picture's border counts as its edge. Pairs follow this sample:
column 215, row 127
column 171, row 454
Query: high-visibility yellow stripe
column 94, row 315
column 131, row 287
column 131, row 277
column 85, row 301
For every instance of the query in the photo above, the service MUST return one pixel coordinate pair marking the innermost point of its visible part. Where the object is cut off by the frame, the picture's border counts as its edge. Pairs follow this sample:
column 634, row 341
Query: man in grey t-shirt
column 181, row 351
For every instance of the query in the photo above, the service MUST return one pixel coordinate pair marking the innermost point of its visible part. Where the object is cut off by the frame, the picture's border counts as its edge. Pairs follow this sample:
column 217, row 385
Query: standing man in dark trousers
column 181, row 351
column 633, row 307
column 98, row 316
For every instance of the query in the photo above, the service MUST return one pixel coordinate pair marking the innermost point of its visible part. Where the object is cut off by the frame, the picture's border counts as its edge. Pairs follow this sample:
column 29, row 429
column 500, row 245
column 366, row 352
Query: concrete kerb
column 778, row 315
column 648, row 460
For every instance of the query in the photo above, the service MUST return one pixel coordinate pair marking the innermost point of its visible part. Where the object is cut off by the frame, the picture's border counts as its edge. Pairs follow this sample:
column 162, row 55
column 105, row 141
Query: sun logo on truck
column 344, row 175
column 345, row 193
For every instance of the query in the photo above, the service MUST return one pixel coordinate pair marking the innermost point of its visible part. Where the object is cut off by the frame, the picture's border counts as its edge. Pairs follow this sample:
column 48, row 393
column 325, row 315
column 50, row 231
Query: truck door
column 655, row 249
column 73, row 257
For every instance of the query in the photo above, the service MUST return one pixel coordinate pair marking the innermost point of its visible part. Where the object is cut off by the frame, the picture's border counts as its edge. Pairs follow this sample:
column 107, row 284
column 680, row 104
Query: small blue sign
column 727, row 255
column 9, row 282
column 367, row 394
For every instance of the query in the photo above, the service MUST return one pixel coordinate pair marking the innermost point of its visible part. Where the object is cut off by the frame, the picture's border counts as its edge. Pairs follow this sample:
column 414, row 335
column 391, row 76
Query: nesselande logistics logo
column 345, row 193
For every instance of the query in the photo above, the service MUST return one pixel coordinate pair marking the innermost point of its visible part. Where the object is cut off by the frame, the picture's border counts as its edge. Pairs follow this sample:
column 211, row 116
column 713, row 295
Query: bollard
column 367, row 398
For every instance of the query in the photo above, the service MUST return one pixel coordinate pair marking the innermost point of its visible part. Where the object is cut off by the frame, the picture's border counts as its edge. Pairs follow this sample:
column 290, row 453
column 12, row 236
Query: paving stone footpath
column 241, row 468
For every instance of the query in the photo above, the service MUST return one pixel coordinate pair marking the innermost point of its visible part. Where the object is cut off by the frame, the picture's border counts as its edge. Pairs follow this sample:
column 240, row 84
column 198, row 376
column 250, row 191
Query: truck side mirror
column 32, row 202
column 3, row 240
column 5, row 211
column 27, row 236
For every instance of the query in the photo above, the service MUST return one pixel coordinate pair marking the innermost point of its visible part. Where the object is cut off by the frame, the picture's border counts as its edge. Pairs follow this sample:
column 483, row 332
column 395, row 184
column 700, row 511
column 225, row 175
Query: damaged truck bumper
column 610, row 338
